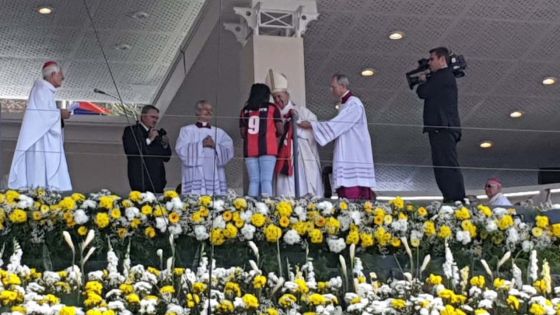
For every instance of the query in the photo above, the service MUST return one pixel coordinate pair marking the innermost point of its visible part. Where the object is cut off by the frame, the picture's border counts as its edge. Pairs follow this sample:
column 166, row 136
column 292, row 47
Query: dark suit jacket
column 154, row 155
column 439, row 93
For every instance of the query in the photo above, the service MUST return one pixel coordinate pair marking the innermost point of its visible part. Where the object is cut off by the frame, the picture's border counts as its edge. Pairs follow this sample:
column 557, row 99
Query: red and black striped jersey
column 260, row 130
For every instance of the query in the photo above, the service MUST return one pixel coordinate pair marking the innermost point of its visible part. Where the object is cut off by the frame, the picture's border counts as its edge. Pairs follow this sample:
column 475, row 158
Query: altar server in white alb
column 204, row 151
column 353, row 171
column 309, row 165
column 39, row 159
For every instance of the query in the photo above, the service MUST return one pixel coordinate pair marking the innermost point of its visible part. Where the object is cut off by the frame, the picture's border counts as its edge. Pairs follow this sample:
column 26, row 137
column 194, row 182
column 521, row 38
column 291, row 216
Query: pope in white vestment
column 309, row 165
column 204, row 151
column 353, row 170
column 39, row 159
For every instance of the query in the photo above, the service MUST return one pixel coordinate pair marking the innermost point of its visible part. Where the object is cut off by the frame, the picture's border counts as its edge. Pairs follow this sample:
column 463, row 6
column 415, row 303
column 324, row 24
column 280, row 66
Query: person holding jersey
column 260, row 125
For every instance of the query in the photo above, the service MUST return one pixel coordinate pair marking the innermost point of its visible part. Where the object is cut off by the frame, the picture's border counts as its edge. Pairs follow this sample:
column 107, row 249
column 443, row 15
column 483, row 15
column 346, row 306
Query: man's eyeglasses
column 488, row 186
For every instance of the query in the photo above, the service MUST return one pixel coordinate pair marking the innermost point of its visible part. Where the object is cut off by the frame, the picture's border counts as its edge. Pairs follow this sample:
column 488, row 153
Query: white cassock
column 309, row 165
column 204, row 168
column 353, row 156
column 39, row 159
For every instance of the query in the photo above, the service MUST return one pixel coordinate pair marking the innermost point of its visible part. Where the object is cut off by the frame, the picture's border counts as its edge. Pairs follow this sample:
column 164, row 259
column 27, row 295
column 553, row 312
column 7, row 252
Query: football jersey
column 260, row 130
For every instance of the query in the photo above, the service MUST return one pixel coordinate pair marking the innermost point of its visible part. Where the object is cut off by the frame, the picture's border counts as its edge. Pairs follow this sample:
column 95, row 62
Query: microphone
column 98, row 91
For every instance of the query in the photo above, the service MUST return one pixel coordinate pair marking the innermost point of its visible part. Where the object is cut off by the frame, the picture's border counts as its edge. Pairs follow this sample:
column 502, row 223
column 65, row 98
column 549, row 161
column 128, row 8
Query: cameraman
column 147, row 148
column 441, row 122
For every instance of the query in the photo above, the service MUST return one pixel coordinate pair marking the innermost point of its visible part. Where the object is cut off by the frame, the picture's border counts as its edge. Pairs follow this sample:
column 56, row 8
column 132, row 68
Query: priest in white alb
column 39, row 159
column 353, row 170
column 204, row 151
column 309, row 165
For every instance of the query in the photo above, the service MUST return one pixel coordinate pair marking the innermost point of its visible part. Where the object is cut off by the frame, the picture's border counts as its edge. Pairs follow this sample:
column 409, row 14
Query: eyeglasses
column 488, row 186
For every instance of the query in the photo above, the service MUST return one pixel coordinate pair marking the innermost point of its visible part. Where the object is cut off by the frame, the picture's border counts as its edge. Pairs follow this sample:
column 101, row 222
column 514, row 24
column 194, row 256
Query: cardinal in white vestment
column 353, row 170
column 39, row 159
column 204, row 151
column 309, row 165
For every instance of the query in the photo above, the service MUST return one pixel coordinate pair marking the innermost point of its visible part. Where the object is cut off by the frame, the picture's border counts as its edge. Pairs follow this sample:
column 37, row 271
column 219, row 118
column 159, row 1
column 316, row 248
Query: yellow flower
column 398, row 304
column 146, row 210
column 199, row 287
column 132, row 298
column 217, row 236
column 422, row 212
column 170, row 194
column 445, row 232
column 227, row 215
column 319, row 221
column 284, row 222
column 486, row 211
column 12, row 196
column 168, row 289
column 353, row 237
column 302, row 285
column 93, row 299
column 387, row 219
column 397, row 203
column 287, row 300
column 317, row 299
column 196, row 217
column 537, row 232
column 174, row 217
column 403, row 216
column 192, row 300
column 332, row 226
column 259, row 282
column 505, row 222
column 316, row 236
column 36, row 215
column 135, row 196
column 343, row 205
column 258, row 219
column 251, row 301
column 102, row 220
column 434, row 280
column 240, row 203
column 107, row 202
column 226, row 307
column 541, row 221
column 230, row 231
column 122, row 232
column 513, row 302
column 135, row 223
column 463, row 214
column 126, row 288
column 284, row 208
column 67, row 203
column 18, row 216
column 150, row 232
column 205, row 201
column 160, row 211
column 271, row 311
column 537, row 309
column 94, row 286
column 10, row 279
column 272, row 233
column 367, row 239
column 127, row 203
column 67, row 310
column 300, row 227
column 232, row 289
column 478, row 281
column 396, row 242
column 115, row 213
column 500, row 283
column 556, row 229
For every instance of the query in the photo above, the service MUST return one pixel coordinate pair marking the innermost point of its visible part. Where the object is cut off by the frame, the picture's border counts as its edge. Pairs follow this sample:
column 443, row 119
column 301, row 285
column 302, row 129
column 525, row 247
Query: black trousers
column 446, row 166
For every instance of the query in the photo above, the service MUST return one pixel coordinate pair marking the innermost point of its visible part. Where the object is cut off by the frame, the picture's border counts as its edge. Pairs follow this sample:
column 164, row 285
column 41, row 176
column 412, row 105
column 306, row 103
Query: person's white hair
column 50, row 68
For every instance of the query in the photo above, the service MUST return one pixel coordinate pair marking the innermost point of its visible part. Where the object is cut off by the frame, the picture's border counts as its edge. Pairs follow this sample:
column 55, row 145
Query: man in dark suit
column 146, row 149
column 441, row 122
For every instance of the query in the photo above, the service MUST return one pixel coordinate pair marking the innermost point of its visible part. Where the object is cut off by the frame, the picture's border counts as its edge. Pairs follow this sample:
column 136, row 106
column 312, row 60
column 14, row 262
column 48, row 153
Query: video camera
column 456, row 62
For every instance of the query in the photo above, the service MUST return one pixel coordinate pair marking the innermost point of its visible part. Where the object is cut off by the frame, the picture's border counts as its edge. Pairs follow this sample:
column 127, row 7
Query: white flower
column 301, row 213
column 527, row 246
column 533, row 266
column 464, row 237
column 445, row 211
column 219, row 223
column 490, row 295
column 356, row 217
column 400, row 225
column 80, row 217
column 246, row 215
column 148, row 197
column 24, row 202
column 175, row 229
column 88, row 204
column 292, row 237
column 174, row 204
column 200, row 233
column 335, row 283
column 336, row 245
column 248, row 230
column 499, row 212
column 161, row 224
column 219, row 205
column 529, row 289
column 512, row 236
column 491, row 225
column 131, row 213
column 261, row 207
column 326, row 208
